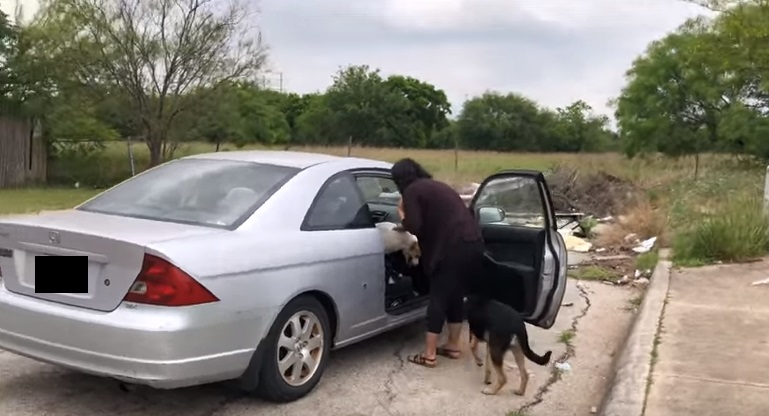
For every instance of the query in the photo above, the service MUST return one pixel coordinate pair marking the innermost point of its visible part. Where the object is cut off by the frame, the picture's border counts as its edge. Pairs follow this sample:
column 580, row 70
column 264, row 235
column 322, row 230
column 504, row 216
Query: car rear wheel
column 298, row 345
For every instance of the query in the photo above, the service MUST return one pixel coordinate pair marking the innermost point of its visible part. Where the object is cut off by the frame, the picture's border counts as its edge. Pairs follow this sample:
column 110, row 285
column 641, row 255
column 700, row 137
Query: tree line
column 169, row 71
column 702, row 88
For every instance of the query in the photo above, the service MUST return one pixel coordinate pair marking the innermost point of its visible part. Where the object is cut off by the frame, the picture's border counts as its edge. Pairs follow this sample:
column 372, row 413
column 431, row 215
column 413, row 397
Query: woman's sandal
column 420, row 359
column 449, row 353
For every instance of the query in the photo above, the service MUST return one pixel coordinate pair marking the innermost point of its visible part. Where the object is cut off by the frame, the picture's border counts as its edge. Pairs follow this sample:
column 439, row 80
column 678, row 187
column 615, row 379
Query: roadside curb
column 627, row 392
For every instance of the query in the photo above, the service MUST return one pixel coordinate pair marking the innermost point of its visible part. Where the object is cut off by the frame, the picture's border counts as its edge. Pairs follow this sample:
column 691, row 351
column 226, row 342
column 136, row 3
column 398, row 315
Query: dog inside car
column 396, row 238
column 502, row 328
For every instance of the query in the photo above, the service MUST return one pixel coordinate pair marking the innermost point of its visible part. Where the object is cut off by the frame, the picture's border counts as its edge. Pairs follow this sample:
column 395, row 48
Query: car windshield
column 218, row 193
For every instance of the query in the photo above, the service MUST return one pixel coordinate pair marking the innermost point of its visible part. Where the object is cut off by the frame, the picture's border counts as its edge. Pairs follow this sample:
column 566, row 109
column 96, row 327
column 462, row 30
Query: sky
column 552, row 51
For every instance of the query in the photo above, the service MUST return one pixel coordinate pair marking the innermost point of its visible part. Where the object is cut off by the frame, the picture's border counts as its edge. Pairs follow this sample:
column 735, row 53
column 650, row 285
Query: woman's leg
column 454, row 319
column 436, row 317
column 467, row 260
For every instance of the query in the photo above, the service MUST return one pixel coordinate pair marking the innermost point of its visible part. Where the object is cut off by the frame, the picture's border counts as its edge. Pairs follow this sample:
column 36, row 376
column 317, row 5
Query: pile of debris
column 598, row 194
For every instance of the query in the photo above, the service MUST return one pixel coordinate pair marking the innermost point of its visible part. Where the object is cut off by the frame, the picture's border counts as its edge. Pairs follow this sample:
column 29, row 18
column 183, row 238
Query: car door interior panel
column 510, row 244
column 513, row 261
column 514, row 284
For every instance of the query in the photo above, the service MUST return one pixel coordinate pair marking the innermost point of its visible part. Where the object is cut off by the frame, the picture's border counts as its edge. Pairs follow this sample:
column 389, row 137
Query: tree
column 501, row 122
column 579, row 130
column 426, row 108
column 675, row 96
column 360, row 102
column 7, row 49
column 743, row 45
column 8, row 52
column 293, row 107
column 166, row 56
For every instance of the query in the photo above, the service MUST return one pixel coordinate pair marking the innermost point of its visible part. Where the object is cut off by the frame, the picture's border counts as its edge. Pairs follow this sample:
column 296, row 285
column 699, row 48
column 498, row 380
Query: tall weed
column 736, row 231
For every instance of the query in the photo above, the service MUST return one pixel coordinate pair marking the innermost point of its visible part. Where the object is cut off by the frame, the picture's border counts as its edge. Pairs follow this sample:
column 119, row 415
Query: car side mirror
column 488, row 215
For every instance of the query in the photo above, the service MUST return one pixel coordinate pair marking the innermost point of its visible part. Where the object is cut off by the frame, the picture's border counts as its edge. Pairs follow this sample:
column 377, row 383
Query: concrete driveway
column 371, row 378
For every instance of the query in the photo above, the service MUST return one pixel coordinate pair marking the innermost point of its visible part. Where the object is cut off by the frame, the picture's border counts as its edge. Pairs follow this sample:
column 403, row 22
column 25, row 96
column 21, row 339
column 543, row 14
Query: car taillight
column 162, row 283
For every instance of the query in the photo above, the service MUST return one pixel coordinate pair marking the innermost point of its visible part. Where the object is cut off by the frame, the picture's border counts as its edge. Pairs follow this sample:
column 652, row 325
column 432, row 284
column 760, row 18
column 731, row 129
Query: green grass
column 735, row 231
column 592, row 272
column 635, row 303
column 587, row 225
column 28, row 200
column 566, row 336
column 112, row 163
column 647, row 261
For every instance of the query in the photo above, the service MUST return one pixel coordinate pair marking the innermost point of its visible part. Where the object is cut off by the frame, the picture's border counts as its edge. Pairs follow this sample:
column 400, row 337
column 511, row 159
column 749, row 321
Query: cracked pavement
column 370, row 378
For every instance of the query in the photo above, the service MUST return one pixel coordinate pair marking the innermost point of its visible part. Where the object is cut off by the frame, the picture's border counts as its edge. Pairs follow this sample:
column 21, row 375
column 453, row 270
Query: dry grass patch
column 642, row 219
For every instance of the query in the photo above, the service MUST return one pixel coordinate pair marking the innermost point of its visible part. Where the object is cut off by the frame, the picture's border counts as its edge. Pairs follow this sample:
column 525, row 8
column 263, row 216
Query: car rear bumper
column 155, row 346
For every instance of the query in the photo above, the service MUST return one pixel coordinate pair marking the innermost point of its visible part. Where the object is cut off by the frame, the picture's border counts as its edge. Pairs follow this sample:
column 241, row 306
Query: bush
column 736, row 231
column 99, row 168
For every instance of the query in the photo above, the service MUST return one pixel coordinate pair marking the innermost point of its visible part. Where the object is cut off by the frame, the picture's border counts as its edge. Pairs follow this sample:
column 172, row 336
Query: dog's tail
column 523, row 340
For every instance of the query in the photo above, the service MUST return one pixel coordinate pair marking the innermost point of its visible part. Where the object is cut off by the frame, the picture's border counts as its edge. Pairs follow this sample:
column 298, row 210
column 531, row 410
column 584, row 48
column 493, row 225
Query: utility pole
column 280, row 75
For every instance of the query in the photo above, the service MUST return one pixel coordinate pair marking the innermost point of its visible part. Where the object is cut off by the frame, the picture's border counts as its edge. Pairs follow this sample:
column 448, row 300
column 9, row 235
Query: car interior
column 407, row 286
column 514, row 256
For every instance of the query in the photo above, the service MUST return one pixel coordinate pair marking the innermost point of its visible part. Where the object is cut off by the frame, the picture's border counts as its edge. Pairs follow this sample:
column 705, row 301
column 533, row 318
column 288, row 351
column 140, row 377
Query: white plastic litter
column 564, row 367
column 761, row 282
column 645, row 245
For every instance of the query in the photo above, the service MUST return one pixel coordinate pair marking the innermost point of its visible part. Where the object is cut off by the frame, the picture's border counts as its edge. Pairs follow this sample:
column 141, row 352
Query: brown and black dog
column 502, row 328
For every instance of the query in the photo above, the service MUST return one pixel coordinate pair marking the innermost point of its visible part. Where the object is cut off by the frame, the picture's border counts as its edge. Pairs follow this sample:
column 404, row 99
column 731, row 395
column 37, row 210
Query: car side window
column 378, row 189
column 338, row 206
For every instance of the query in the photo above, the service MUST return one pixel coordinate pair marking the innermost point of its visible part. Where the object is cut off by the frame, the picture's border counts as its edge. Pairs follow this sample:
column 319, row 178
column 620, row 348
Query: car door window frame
column 544, row 197
column 547, row 198
column 306, row 226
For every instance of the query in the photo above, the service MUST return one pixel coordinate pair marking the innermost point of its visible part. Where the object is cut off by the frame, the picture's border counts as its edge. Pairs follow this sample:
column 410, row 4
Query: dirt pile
column 599, row 194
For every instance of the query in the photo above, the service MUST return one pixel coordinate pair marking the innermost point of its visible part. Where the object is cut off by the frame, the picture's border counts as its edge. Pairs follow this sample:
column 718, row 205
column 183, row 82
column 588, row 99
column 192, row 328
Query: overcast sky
column 553, row 51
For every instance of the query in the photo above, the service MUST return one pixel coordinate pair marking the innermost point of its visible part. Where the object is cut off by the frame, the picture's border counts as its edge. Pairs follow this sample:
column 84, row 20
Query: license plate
column 61, row 274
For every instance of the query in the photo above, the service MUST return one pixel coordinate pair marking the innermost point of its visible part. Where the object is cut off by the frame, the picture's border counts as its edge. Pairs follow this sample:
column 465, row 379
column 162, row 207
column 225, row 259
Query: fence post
column 766, row 191
column 131, row 156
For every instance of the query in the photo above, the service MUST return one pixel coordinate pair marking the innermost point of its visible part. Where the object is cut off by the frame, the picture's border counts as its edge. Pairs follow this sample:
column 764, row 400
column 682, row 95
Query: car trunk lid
column 114, row 245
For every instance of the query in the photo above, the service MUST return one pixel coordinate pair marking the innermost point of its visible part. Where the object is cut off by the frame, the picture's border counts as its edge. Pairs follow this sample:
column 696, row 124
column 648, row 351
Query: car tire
column 311, row 346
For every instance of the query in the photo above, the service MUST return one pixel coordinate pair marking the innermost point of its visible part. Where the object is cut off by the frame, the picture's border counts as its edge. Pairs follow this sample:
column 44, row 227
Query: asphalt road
column 371, row 378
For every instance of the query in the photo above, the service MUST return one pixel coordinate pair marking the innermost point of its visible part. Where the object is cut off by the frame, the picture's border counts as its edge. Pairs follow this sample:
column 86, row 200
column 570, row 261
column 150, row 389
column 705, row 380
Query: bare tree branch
column 158, row 52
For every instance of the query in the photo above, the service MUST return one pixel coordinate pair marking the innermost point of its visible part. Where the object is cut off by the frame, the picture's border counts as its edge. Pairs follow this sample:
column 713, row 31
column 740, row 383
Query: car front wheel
column 298, row 344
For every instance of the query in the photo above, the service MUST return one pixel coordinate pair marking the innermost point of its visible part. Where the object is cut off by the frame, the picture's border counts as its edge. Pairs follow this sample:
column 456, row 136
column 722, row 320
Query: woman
column 452, row 252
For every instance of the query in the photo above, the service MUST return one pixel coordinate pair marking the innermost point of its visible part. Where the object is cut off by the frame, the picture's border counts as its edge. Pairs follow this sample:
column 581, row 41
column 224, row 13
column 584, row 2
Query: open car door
column 526, row 256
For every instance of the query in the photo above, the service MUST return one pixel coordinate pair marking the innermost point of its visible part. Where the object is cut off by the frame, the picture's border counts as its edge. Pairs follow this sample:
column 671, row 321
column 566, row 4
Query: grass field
column 113, row 164
column 20, row 201
column 721, row 205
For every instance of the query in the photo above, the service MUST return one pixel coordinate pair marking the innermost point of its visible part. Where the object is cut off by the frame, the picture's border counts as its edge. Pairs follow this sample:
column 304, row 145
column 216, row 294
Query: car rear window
column 215, row 193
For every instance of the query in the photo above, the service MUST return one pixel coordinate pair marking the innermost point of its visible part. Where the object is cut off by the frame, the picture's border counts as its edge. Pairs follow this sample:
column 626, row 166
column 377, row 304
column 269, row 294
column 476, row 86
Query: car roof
column 299, row 160
column 287, row 158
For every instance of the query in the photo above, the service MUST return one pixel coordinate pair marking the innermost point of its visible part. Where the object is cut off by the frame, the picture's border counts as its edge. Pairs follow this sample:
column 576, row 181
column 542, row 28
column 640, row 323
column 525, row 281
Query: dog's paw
column 487, row 382
column 479, row 362
column 489, row 391
column 519, row 392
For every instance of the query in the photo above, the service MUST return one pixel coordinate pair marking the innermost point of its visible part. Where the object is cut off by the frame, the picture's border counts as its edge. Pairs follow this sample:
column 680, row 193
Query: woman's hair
column 406, row 171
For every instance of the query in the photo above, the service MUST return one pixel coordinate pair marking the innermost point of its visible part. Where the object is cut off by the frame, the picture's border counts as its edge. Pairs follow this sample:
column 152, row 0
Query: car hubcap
column 300, row 348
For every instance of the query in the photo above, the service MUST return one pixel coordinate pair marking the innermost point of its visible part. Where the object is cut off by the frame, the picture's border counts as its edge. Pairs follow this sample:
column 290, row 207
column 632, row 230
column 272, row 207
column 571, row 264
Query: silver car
column 248, row 266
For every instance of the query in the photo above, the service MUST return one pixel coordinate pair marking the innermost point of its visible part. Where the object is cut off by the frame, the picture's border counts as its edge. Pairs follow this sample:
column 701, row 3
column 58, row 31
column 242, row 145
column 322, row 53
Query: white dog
column 396, row 238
